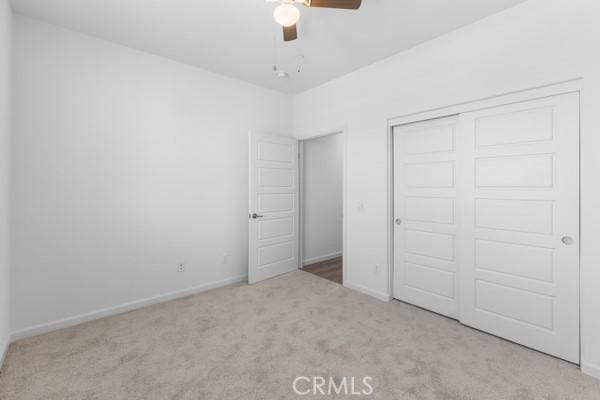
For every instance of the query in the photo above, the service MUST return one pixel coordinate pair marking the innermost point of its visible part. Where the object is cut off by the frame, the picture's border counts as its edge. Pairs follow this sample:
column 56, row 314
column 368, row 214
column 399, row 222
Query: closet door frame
column 573, row 86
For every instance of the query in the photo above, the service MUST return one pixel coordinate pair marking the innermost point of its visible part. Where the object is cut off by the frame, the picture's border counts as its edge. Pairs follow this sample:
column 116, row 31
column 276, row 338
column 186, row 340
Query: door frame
column 571, row 86
column 341, row 131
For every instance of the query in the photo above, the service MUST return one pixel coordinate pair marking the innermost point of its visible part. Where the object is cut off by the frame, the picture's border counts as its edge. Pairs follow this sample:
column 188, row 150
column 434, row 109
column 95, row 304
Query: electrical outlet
column 377, row 269
column 225, row 258
column 181, row 267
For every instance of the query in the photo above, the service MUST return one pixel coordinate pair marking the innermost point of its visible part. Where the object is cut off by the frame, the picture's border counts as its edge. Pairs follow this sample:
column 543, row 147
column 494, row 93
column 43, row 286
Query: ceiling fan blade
column 290, row 33
column 344, row 4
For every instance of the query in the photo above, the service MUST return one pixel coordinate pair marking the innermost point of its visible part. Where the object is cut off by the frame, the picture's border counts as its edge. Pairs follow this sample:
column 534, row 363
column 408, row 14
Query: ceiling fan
column 287, row 14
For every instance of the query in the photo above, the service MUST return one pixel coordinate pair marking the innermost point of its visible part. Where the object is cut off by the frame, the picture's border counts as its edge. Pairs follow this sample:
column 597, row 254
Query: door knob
column 398, row 221
column 568, row 240
column 255, row 215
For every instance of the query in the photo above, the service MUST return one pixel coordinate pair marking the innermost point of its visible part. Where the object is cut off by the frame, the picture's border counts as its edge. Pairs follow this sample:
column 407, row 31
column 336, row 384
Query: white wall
column 5, row 120
column 125, row 164
column 110, row 190
column 536, row 43
column 323, row 197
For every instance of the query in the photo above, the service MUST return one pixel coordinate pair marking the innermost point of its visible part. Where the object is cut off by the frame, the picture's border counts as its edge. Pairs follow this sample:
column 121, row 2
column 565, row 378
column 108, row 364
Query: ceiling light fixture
column 286, row 15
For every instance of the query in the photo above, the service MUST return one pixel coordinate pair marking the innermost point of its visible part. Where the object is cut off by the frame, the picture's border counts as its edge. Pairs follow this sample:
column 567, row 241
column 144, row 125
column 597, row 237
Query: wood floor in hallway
column 329, row 269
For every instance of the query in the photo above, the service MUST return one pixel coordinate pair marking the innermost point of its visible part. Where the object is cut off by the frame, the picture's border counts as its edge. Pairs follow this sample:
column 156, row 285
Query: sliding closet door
column 519, row 239
column 425, row 252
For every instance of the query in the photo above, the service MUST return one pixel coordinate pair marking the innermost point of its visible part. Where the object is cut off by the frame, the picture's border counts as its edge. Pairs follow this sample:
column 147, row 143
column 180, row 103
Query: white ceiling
column 240, row 39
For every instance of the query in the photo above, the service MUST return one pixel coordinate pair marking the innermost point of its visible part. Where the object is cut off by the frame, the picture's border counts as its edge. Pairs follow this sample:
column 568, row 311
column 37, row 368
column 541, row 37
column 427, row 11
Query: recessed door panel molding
column 486, row 220
column 516, row 259
column 515, row 127
column 429, row 244
column 277, row 152
column 528, row 216
column 429, row 140
column 521, row 171
column 273, row 212
column 276, row 203
column 436, row 174
column 429, row 279
column 267, row 255
column 508, row 304
column 425, row 262
column 520, row 196
column 430, row 209
column 276, row 227
column 276, row 177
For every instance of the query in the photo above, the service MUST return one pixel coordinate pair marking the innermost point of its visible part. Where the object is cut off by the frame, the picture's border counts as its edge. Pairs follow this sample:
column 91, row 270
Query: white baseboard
column 3, row 352
column 373, row 293
column 106, row 312
column 325, row 257
column 590, row 369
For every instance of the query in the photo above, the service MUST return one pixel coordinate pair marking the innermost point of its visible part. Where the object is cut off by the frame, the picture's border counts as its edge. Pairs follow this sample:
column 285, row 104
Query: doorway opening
column 321, row 211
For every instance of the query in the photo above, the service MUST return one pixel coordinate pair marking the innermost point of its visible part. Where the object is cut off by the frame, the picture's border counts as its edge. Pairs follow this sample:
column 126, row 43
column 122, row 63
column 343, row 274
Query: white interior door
column 273, row 216
column 426, row 219
column 520, row 223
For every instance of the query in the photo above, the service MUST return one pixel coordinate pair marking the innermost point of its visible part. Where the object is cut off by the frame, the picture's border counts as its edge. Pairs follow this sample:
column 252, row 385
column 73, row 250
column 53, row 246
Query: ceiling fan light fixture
column 286, row 15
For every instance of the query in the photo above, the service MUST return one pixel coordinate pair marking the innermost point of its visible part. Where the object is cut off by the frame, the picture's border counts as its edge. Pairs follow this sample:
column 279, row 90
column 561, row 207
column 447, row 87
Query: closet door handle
column 567, row 240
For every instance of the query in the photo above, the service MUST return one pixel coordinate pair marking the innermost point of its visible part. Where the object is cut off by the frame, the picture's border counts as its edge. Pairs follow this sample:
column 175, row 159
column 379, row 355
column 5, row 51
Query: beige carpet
column 250, row 342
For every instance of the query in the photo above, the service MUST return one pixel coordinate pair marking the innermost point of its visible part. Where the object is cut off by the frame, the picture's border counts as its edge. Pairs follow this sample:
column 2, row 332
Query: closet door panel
column 519, row 238
column 425, row 204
